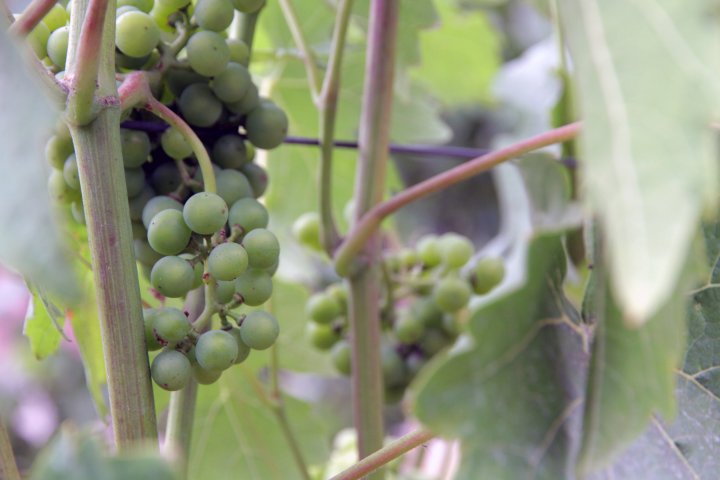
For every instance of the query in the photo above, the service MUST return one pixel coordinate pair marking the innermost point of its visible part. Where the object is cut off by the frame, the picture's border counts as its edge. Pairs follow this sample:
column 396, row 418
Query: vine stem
column 8, row 466
column 374, row 140
column 362, row 231
column 244, row 30
column 31, row 16
column 308, row 57
column 385, row 455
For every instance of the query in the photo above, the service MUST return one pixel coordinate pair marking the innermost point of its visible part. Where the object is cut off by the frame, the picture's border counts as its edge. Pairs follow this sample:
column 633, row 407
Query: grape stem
column 308, row 57
column 8, row 466
column 385, row 455
column 362, row 231
column 31, row 16
column 245, row 29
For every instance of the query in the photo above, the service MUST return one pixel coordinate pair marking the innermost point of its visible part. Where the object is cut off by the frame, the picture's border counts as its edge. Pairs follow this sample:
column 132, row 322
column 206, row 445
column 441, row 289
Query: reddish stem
column 31, row 17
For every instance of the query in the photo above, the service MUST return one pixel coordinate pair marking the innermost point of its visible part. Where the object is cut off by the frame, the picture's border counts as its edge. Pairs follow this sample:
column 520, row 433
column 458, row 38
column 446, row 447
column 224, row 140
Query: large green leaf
column 43, row 326
column 649, row 155
column 30, row 241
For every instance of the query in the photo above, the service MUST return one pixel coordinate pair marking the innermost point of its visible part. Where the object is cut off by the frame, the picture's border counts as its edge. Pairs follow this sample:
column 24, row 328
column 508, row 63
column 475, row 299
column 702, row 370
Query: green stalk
column 102, row 180
column 374, row 141
column 8, row 467
column 308, row 57
column 244, row 28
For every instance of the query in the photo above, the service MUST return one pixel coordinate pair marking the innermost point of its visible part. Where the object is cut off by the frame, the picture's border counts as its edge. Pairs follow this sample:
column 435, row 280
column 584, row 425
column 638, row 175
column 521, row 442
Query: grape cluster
column 426, row 294
column 185, row 237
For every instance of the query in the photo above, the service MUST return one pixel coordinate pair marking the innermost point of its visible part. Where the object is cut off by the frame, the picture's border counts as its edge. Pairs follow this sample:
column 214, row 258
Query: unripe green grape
column 231, row 84
column 136, row 34
column 138, row 202
column 427, row 312
column 205, row 377
column 71, row 173
column 451, row 294
column 157, row 205
column 249, row 214
column 122, row 9
column 322, row 308
column 78, row 214
column 227, row 261
column 199, row 106
column 170, row 326
column 172, row 276
column 342, row 357
column 198, row 177
column 224, row 291
column 57, row 150
column 259, row 330
column 408, row 328
column 306, row 229
column 247, row 103
column 198, row 269
column 216, row 350
column 257, row 176
column 434, row 341
column 451, row 325
column 177, row 80
column 243, row 349
column 215, row 15
column 232, row 186
column 456, row 250
column 174, row 144
column 207, row 53
column 239, row 51
column 266, row 126
column 205, row 213
column 428, row 248
column 161, row 16
column 57, row 46
column 135, row 147
column 134, row 181
column 172, row 5
column 57, row 186
column 255, row 287
column 144, row 253
column 142, row 5
column 138, row 231
column 171, row 370
column 151, row 343
column 322, row 337
column 167, row 233
column 37, row 38
column 165, row 178
column 487, row 274
column 340, row 294
column 248, row 6
column 262, row 247
column 407, row 258
column 57, row 17
column 230, row 152
column 124, row 62
column 393, row 367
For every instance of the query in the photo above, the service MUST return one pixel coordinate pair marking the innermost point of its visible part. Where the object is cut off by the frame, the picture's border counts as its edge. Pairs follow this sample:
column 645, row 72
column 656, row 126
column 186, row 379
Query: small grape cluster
column 426, row 293
column 185, row 237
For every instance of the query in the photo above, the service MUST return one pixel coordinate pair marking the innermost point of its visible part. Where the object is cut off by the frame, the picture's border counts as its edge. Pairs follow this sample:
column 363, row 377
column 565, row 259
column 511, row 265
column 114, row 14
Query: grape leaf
column 43, row 326
column 30, row 242
column 648, row 152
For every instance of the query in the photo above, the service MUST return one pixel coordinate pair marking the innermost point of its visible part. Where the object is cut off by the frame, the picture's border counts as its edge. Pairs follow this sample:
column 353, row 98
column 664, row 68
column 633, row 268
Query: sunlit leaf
column 43, row 326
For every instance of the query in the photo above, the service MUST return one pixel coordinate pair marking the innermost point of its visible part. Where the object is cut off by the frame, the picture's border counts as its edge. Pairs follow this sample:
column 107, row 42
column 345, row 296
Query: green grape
column 230, row 152
column 172, row 276
column 170, row 326
column 227, row 261
column 340, row 294
column 135, row 147
column 341, row 355
column 167, row 233
column 451, row 294
column 427, row 312
column 408, row 328
column 161, row 16
column 266, row 126
column 257, row 176
column 58, row 187
column 451, row 325
column 224, row 291
column 408, row 258
column 322, row 337
column 255, row 287
column 455, row 249
column 248, row 102
column 198, row 269
column 239, row 51
column 205, row 213
column 177, row 80
column 123, row 62
column 138, row 231
column 171, row 370
column 232, row 186
column 57, row 46
column 38, row 40
column 172, row 5
column 134, row 181
column 174, row 144
column 198, row 177
column 207, row 53
column 78, row 214
column 215, row 15
column 151, row 343
column 205, row 377
column 428, row 248
column 157, row 205
column 57, row 17
column 322, row 308
column 165, row 178
column 243, row 349
column 249, row 214
column 57, row 150
column 487, row 274
column 122, row 9
column 231, row 84
column 136, row 34
column 262, row 247
column 71, row 173
column 306, row 229
column 216, row 350
column 138, row 202
column 259, row 330
column 393, row 367
column 248, row 6
column 434, row 341
column 142, row 5
column 144, row 252
column 199, row 106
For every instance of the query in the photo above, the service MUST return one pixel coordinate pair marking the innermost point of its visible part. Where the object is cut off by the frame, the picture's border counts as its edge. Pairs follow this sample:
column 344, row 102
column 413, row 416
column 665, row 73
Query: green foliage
column 43, row 327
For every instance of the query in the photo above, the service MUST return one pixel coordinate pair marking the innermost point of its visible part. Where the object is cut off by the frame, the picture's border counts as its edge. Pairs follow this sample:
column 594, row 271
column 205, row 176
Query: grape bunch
column 185, row 237
column 426, row 294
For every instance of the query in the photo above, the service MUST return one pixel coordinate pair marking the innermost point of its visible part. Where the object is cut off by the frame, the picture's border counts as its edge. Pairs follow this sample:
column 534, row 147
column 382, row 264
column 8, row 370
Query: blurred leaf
column 43, row 327
column 649, row 154
column 30, row 242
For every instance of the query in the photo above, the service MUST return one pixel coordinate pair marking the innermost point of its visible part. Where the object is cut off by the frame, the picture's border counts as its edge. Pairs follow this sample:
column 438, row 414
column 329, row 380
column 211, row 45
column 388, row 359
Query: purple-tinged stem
column 31, row 16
